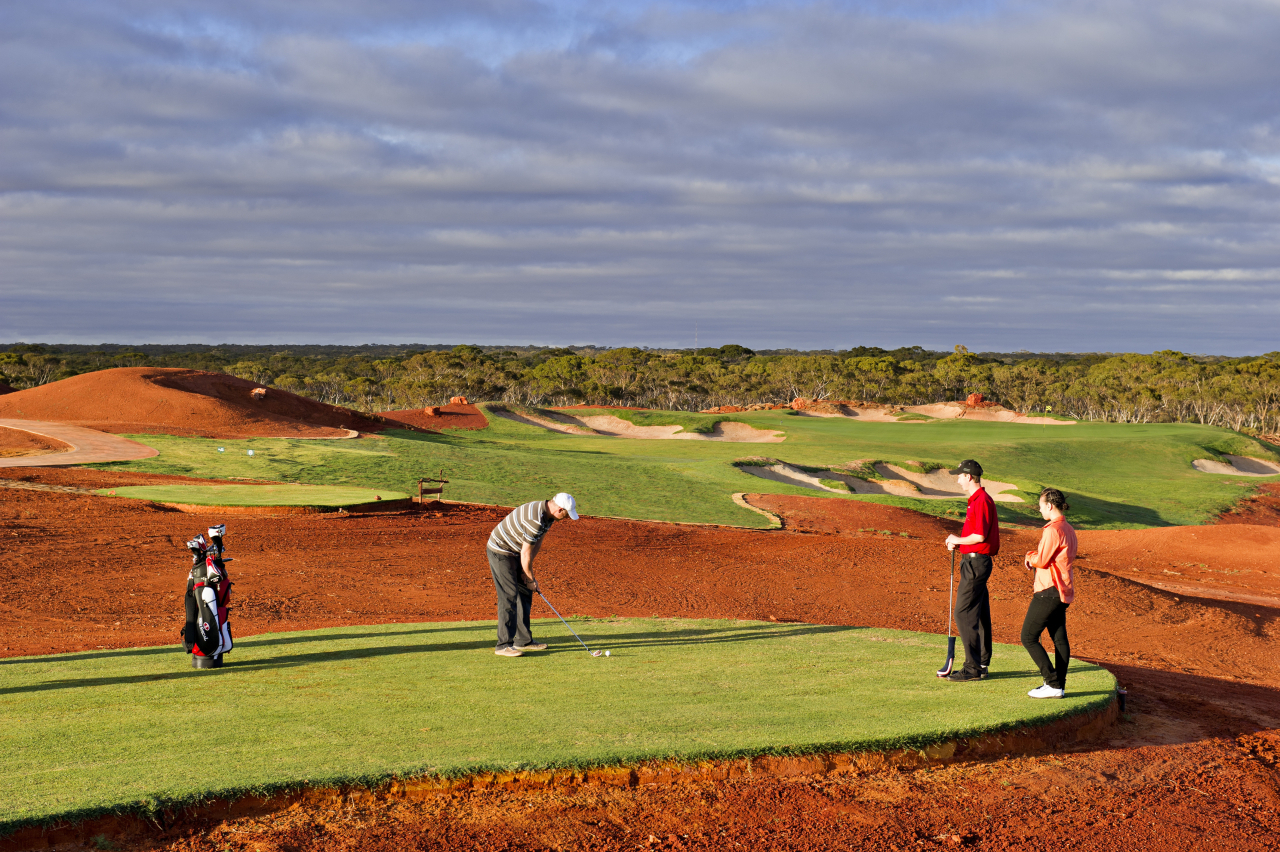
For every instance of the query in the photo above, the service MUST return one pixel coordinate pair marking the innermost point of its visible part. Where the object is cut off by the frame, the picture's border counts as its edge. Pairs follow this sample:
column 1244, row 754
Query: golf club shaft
column 565, row 623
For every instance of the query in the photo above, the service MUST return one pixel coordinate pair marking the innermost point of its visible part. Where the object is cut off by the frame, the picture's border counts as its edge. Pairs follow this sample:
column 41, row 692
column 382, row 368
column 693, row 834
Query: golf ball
column 606, row 653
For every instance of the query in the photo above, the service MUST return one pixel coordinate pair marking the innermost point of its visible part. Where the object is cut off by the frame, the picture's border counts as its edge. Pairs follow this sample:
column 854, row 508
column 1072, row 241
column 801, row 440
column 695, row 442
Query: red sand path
column 66, row 445
column 1195, row 766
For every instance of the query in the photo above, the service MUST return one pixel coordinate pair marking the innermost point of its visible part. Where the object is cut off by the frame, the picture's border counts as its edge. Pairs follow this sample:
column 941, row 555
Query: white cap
column 566, row 502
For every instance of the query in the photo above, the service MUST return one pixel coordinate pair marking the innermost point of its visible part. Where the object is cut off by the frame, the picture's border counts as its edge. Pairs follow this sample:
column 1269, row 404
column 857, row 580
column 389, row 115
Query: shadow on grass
column 690, row 636
column 240, row 643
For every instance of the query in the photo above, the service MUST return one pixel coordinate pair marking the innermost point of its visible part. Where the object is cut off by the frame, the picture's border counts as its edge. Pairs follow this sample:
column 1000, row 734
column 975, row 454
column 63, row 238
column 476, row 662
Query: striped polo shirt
column 529, row 522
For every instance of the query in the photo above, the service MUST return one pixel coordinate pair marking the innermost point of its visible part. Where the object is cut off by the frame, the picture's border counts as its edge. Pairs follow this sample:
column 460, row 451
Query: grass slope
column 1116, row 475
column 254, row 495
column 86, row 733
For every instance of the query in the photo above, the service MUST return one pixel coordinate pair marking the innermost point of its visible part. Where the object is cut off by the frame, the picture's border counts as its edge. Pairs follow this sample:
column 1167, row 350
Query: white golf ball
column 606, row 653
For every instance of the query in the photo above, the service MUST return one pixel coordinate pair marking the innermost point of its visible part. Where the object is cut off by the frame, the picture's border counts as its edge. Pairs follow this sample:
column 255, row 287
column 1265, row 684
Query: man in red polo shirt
column 978, row 542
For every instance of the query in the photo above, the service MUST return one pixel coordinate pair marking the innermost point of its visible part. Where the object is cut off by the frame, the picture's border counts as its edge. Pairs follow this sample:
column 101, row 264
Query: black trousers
column 514, row 600
column 973, row 611
column 1047, row 612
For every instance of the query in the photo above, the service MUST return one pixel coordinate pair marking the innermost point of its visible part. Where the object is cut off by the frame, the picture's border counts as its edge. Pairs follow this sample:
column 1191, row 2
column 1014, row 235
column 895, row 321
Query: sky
column 1066, row 175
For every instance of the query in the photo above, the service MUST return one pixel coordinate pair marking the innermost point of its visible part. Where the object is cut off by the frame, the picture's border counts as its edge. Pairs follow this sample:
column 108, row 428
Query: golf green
column 138, row 730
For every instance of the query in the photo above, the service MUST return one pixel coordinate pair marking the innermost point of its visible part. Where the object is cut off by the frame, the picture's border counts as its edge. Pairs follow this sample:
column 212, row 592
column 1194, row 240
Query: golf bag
column 207, row 632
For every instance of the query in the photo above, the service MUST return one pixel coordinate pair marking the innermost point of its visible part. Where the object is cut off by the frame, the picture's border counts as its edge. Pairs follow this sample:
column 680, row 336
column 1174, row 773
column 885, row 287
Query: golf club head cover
column 215, row 536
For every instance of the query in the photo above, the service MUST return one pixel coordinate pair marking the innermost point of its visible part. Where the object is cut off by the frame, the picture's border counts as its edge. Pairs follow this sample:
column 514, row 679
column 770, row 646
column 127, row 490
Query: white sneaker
column 1047, row 691
column 532, row 646
column 509, row 652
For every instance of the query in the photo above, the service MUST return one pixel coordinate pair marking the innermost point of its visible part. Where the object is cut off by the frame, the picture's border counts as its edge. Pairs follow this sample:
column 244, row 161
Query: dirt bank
column 172, row 401
column 436, row 417
column 1194, row 766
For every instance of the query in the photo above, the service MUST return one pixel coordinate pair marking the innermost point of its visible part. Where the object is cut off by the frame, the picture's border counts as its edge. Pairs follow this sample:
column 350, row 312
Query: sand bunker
column 1237, row 466
column 616, row 427
column 791, row 475
column 989, row 414
column 938, row 485
column 190, row 403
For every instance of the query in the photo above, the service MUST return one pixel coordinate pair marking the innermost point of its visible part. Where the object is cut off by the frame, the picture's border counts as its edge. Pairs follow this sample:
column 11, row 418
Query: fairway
column 291, row 494
column 85, row 733
column 1116, row 475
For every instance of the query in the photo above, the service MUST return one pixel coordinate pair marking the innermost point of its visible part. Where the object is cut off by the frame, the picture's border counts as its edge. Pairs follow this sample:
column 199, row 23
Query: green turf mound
column 137, row 729
column 290, row 494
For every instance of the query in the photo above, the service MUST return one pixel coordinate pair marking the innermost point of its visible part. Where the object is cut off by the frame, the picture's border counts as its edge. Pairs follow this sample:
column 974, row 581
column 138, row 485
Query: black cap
column 970, row 467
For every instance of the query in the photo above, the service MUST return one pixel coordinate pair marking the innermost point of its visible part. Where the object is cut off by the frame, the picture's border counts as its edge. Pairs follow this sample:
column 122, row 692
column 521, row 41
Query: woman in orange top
column 1053, row 592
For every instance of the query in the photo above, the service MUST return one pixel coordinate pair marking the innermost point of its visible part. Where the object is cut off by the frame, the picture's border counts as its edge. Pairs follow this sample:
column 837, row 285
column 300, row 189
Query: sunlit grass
column 95, row 731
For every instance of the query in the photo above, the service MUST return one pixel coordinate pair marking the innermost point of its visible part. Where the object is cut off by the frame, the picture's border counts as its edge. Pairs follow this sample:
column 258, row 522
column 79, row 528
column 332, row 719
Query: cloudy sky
column 1068, row 175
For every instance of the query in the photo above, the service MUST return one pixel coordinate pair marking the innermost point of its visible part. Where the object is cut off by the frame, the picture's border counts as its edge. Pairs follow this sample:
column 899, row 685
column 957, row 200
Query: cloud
column 1009, row 175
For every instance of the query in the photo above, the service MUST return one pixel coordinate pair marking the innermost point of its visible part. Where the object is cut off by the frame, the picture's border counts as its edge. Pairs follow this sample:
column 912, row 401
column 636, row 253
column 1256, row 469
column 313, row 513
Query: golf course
column 1120, row 476
column 757, row 605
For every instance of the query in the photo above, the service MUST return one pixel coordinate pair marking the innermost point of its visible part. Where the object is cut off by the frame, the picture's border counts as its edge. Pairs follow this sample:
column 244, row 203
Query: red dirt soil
column 191, row 403
column 452, row 416
column 15, row 443
column 1196, row 763
column 1263, row 508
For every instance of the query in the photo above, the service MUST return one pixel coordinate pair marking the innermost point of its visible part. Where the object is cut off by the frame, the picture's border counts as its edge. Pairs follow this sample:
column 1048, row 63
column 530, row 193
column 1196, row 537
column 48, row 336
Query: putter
column 566, row 624
column 951, row 640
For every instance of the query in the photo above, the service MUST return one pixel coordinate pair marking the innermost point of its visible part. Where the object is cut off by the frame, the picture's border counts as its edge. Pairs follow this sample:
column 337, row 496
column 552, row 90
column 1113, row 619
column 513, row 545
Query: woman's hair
column 1055, row 498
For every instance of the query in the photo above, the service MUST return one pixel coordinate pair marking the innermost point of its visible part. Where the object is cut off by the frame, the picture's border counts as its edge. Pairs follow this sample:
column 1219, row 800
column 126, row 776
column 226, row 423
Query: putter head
column 951, row 657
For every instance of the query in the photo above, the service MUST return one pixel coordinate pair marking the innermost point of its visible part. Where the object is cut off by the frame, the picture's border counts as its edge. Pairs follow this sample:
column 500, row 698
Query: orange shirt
column 1053, row 559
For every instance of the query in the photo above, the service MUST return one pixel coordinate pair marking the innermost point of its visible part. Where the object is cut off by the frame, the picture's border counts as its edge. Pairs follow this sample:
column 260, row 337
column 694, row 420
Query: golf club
column 566, row 624
column 951, row 640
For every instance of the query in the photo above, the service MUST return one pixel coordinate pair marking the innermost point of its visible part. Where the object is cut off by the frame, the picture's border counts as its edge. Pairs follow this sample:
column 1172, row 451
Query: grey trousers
column 514, row 600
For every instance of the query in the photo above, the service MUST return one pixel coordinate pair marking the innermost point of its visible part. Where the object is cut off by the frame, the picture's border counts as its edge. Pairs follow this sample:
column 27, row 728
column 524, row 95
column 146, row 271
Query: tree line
column 1237, row 393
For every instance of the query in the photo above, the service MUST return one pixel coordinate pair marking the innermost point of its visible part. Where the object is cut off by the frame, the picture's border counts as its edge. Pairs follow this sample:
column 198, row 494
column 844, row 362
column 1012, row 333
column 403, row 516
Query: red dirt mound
column 191, row 403
column 452, row 416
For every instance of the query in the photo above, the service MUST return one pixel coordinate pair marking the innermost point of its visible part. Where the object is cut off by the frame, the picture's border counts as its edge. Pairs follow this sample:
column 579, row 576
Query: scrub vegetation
column 1165, row 387
column 114, row 730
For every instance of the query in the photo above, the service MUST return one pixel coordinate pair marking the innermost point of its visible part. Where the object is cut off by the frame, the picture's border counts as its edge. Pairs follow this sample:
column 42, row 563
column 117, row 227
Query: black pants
column 1047, row 612
column 514, row 600
column 973, row 611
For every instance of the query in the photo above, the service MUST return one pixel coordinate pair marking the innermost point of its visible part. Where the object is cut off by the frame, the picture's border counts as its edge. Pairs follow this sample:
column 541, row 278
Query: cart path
column 87, row 445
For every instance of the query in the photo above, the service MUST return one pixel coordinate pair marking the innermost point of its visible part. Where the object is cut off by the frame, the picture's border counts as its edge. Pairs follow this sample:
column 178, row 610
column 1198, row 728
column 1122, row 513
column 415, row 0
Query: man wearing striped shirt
column 512, row 546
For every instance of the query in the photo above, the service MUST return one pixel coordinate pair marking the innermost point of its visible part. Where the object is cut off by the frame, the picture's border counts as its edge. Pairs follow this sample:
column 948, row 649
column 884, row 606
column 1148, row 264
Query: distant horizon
column 420, row 346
